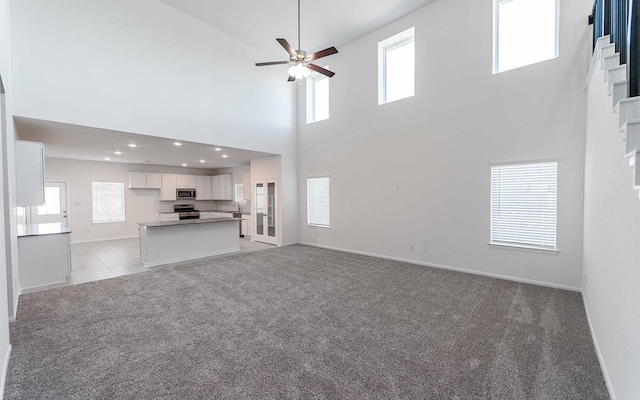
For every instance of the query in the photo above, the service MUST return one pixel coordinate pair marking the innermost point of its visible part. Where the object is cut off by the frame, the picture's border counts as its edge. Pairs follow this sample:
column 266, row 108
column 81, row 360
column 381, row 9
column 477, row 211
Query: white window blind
column 239, row 193
column 108, row 201
column 524, row 205
column 318, row 201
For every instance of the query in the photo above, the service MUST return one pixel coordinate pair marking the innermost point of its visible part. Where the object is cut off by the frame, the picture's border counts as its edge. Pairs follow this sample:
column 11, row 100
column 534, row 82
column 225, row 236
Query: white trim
column 447, row 267
column 103, row 240
column 5, row 370
column 603, row 367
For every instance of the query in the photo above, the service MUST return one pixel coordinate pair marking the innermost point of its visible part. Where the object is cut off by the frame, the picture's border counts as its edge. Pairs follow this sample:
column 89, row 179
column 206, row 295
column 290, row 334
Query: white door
column 55, row 205
column 265, row 228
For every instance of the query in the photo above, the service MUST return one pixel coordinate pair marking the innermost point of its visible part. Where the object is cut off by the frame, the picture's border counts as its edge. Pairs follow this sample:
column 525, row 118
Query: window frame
column 311, row 96
column 496, row 37
column 124, row 216
column 394, row 42
column 523, row 246
column 309, row 178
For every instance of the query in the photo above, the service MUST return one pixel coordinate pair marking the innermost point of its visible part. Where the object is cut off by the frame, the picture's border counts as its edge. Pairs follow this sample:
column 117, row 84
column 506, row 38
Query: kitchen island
column 164, row 242
column 44, row 254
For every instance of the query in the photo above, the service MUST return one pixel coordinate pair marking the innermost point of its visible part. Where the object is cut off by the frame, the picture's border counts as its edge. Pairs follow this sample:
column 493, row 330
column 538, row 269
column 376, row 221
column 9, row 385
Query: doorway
column 54, row 209
column 266, row 205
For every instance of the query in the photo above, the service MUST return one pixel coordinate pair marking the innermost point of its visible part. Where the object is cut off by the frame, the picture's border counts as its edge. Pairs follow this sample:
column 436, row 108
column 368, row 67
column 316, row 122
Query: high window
column 317, row 98
column 239, row 193
column 525, row 32
column 318, row 201
column 396, row 67
column 107, row 201
column 524, row 205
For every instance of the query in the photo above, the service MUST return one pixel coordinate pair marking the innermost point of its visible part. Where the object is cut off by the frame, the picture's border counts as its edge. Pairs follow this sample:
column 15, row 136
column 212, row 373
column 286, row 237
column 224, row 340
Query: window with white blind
column 318, row 201
column 239, row 193
column 107, row 201
column 524, row 205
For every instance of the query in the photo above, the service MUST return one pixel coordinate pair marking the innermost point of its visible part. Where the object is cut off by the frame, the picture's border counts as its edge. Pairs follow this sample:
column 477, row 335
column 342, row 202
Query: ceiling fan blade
column 291, row 79
column 320, row 70
column 287, row 47
column 321, row 53
column 262, row 64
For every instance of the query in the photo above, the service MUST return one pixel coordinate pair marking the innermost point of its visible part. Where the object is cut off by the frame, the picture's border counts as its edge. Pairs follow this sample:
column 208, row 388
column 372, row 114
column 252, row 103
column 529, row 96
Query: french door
column 266, row 206
column 55, row 205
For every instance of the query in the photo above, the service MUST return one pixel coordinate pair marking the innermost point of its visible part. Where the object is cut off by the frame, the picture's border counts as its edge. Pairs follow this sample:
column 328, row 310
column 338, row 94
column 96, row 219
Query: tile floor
column 109, row 259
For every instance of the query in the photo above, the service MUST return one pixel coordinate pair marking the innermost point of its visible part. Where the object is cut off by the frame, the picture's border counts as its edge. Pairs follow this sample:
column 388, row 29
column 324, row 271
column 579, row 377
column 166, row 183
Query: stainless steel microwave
column 185, row 194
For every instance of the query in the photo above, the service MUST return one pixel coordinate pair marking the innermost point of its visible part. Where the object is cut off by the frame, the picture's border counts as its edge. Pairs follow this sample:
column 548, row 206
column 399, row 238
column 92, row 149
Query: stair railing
column 620, row 19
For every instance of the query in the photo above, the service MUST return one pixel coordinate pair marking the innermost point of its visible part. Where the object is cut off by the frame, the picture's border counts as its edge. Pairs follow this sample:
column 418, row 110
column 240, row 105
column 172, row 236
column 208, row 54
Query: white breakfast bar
column 164, row 242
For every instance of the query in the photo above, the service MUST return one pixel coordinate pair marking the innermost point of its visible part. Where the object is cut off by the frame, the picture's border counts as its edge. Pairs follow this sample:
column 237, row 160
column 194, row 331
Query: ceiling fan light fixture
column 299, row 71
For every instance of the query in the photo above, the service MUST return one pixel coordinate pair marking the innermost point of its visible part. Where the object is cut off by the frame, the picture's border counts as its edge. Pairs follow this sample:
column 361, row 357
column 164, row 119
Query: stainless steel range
column 186, row 211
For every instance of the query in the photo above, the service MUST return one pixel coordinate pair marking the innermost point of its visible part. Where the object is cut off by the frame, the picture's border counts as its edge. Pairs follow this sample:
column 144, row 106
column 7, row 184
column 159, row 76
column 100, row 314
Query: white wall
column 611, row 245
column 141, row 205
column 436, row 148
column 144, row 67
column 5, row 72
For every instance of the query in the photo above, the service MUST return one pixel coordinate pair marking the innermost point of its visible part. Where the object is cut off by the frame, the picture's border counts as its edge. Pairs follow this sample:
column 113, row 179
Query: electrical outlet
column 410, row 246
column 426, row 249
column 426, row 241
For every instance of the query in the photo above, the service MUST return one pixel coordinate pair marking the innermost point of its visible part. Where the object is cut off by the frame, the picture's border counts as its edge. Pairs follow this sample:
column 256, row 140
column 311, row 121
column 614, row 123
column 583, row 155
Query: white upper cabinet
column 168, row 191
column 29, row 173
column 145, row 180
column 186, row 182
column 215, row 187
column 154, row 180
column 203, row 188
column 226, row 187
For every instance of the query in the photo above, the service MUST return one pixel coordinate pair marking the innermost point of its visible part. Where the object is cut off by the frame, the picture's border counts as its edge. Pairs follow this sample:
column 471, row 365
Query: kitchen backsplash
column 167, row 206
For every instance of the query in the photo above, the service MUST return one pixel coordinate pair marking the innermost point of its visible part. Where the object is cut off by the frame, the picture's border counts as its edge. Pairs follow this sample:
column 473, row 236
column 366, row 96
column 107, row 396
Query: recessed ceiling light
column 133, row 145
column 224, row 156
column 107, row 158
column 177, row 143
column 217, row 149
column 202, row 161
column 117, row 152
column 184, row 165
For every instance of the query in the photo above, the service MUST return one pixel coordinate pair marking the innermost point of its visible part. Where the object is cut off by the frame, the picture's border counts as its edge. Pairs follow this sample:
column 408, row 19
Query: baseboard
column 103, row 240
column 5, row 370
column 447, row 267
column 603, row 367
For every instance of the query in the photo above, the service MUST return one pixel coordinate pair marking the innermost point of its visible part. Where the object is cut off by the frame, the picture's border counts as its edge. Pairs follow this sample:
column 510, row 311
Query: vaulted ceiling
column 324, row 23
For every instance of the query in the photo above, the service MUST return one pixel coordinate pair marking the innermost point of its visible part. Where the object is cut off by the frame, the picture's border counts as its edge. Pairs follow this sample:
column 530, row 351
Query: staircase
column 607, row 62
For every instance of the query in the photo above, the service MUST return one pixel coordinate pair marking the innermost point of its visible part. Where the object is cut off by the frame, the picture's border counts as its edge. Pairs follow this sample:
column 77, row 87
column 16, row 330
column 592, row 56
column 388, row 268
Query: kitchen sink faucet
column 239, row 209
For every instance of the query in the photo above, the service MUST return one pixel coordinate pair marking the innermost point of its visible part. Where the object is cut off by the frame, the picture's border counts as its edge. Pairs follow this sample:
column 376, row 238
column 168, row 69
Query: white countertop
column 52, row 228
column 157, row 224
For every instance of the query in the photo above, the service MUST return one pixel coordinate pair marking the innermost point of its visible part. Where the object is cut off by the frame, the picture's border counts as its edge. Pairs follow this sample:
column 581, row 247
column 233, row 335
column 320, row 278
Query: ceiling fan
column 302, row 65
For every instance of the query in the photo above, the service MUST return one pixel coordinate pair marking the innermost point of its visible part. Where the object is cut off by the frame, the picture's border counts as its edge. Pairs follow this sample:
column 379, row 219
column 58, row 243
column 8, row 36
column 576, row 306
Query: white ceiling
column 92, row 144
column 324, row 23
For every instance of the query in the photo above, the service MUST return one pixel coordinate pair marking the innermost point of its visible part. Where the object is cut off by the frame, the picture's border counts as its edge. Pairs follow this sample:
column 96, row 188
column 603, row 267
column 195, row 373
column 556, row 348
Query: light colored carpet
column 301, row 322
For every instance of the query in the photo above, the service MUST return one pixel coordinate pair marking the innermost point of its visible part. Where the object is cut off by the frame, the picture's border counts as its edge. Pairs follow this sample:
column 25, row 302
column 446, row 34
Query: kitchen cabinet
column 215, row 187
column 226, row 187
column 154, row 180
column 145, row 180
column 29, row 173
column 185, row 181
column 168, row 190
column 203, row 188
column 169, row 216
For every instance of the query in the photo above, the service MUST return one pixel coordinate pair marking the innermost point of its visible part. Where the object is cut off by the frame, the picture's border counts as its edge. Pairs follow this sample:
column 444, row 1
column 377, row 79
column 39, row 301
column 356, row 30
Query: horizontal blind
column 107, row 201
column 318, row 201
column 524, row 204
